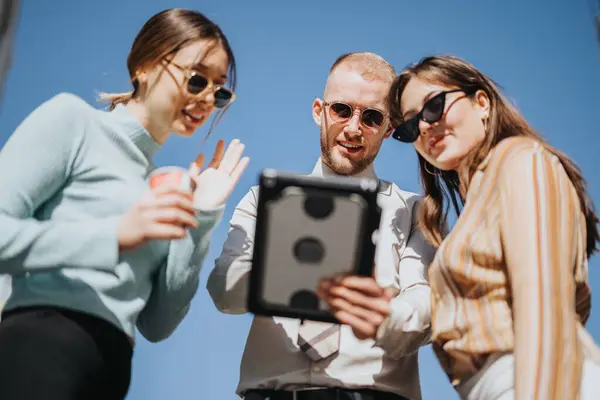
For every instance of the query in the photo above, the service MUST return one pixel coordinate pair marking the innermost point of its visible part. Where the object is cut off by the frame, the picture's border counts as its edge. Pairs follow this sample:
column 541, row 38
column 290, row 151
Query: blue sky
column 543, row 53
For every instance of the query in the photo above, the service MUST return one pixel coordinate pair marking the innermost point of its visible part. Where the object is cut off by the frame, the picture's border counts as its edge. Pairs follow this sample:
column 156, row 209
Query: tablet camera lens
column 309, row 250
column 269, row 182
column 318, row 207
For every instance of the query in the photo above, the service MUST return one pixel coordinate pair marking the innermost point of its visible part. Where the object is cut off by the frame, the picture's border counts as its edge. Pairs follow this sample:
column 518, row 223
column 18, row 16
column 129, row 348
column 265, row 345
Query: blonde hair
column 116, row 98
column 370, row 65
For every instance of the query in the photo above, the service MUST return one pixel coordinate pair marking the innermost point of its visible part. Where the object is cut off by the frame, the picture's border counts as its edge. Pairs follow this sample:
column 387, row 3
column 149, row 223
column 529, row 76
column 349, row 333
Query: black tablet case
column 308, row 227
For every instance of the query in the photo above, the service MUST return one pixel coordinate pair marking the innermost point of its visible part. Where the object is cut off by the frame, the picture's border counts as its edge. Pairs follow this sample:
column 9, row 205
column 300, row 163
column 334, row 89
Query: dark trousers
column 49, row 353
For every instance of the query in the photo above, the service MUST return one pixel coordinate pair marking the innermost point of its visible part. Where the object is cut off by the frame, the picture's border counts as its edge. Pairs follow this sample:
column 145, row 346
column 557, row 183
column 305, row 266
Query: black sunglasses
column 198, row 85
column 432, row 112
column 370, row 118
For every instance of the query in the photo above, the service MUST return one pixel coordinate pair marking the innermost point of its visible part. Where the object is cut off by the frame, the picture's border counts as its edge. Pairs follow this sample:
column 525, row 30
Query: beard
column 340, row 164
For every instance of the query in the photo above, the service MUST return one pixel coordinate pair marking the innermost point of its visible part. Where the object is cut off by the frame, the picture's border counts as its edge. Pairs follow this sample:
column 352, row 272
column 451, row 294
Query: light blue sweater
column 68, row 173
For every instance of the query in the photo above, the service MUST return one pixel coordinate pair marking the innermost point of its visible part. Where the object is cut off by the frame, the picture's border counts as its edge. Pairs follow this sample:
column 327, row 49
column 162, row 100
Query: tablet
column 308, row 228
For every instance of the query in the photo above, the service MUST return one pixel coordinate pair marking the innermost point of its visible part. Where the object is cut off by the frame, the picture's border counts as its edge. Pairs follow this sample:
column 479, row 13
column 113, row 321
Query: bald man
column 364, row 359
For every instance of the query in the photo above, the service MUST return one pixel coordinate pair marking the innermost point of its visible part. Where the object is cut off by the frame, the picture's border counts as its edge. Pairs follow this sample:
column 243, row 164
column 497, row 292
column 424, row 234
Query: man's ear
column 388, row 132
column 317, row 111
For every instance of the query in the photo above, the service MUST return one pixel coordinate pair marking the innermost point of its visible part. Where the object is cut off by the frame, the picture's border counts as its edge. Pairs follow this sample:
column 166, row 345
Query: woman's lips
column 435, row 141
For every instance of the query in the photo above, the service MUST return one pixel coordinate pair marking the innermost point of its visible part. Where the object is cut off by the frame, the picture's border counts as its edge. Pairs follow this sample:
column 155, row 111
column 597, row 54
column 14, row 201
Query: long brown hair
column 166, row 33
column 504, row 121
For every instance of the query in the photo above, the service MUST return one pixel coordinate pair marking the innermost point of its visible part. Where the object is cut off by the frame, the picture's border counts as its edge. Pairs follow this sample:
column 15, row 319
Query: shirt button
column 316, row 368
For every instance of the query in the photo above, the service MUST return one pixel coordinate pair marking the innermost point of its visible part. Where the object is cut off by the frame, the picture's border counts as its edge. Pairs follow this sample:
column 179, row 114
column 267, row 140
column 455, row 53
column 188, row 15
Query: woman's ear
column 483, row 102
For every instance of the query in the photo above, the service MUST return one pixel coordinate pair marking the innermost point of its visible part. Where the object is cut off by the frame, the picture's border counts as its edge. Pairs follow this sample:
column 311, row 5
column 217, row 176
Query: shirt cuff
column 400, row 313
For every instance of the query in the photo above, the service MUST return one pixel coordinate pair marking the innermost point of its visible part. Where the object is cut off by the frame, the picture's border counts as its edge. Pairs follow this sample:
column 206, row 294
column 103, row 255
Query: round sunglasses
column 370, row 118
column 197, row 85
column 432, row 112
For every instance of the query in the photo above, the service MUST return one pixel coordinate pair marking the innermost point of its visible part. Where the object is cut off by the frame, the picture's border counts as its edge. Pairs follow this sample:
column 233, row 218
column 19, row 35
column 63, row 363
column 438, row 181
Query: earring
column 439, row 173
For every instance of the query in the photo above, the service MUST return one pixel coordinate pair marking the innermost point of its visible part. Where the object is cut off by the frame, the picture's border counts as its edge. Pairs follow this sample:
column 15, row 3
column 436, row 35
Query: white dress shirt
column 272, row 358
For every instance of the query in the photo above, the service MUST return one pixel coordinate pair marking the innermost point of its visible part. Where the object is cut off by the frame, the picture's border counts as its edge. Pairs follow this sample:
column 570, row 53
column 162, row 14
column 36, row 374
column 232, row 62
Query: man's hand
column 358, row 302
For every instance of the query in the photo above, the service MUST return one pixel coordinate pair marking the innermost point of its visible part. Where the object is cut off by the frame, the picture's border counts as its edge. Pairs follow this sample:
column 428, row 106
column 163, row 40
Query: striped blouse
column 512, row 275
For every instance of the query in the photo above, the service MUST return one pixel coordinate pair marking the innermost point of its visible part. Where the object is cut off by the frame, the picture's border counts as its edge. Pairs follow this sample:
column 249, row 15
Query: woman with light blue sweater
column 92, row 250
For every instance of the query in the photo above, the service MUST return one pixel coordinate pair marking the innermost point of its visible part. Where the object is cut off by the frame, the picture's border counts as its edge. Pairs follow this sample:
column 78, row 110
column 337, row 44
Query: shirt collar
column 322, row 170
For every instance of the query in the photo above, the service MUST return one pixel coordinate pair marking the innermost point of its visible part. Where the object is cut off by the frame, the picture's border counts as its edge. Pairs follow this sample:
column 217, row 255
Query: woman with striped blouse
column 509, row 284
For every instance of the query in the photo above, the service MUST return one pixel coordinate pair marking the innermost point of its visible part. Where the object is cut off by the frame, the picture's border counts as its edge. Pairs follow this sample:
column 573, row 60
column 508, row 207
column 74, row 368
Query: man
column 375, row 355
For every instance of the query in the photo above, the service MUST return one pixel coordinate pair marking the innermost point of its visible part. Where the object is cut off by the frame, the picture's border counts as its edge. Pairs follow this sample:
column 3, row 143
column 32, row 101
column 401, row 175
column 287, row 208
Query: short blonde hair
column 370, row 65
